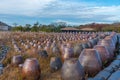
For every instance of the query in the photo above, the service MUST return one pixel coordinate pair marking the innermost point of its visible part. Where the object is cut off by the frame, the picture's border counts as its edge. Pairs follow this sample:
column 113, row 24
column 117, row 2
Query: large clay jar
column 95, row 41
column 91, row 61
column 31, row 69
column 101, row 36
column 118, row 38
column 103, row 51
column 110, row 38
column 43, row 53
column 72, row 70
column 55, row 50
column 109, row 45
column 62, row 48
column 78, row 49
column 85, row 45
column 16, row 60
column 68, row 53
column 114, row 36
column 110, row 41
column 90, row 45
column 55, row 63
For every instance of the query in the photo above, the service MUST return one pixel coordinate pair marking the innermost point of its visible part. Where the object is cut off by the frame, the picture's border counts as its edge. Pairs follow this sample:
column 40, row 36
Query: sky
column 73, row 12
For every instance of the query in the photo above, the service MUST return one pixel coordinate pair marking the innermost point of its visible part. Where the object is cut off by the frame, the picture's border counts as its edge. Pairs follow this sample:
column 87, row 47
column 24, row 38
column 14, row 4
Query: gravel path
column 3, row 52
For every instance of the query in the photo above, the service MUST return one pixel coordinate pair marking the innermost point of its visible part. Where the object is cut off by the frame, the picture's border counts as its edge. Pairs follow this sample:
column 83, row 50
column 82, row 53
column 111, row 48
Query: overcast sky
column 73, row 12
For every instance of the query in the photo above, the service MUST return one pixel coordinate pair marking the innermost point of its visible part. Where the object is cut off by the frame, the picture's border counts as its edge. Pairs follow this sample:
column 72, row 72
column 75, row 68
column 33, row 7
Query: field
column 29, row 45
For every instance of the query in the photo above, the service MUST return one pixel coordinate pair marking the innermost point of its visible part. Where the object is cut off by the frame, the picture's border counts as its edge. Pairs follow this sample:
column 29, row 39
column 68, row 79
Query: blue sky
column 74, row 12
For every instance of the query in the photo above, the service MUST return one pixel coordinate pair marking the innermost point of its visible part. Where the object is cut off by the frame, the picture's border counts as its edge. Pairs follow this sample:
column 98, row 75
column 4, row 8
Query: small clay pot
column 16, row 60
column 55, row 50
column 55, row 63
column 43, row 53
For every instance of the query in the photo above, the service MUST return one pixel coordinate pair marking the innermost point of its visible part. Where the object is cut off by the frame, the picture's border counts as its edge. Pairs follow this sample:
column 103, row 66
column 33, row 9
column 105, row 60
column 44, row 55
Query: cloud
column 23, row 7
column 79, row 10
column 68, row 22
column 73, row 12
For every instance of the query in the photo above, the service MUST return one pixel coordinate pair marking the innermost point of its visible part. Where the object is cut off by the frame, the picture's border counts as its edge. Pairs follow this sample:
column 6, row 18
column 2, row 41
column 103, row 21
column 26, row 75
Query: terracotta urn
column 91, row 61
column 16, row 60
column 104, row 53
column 72, row 70
column 31, row 69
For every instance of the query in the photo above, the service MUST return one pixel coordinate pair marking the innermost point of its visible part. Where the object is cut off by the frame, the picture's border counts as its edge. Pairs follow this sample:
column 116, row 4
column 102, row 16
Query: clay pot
column 95, row 41
column 55, row 50
column 55, row 63
column 72, row 70
column 68, row 53
column 32, row 51
column 39, row 47
column 85, row 45
column 69, row 45
column 101, row 36
column 111, row 41
column 109, row 45
column 91, row 61
column 16, row 60
column 78, row 49
column 104, row 53
column 43, row 53
column 31, row 69
column 62, row 47
column 114, row 36
column 27, row 47
column 90, row 45
column 47, row 48
column 110, row 38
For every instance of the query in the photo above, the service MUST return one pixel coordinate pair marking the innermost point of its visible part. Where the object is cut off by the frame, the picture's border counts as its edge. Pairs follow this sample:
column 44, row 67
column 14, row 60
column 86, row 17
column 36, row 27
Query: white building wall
column 5, row 28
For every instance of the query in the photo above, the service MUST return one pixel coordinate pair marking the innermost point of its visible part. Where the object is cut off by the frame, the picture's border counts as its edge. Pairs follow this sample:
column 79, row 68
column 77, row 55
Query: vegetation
column 55, row 27
column 103, row 27
column 111, row 28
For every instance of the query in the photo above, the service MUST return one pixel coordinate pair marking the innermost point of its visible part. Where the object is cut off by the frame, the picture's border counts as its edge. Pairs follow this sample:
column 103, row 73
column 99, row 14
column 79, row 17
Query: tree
column 15, row 24
column 27, row 27
column 17, row 28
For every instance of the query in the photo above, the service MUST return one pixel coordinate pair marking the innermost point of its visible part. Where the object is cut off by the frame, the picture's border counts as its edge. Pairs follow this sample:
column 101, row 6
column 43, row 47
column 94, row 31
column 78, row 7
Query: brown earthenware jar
column 68, row 53
column 108, row 44
column 72, row 70
column 31, row 69
column 91, row 61
column 103, row 51
column 16, row 60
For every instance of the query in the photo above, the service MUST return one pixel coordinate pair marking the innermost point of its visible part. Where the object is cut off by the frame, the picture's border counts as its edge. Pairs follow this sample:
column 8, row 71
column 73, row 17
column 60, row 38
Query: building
column 87, row 30
column 4, row 27
column 69, row 29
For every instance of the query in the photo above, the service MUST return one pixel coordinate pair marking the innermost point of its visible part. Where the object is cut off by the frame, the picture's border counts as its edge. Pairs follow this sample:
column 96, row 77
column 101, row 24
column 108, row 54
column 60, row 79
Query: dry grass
column 14, row 73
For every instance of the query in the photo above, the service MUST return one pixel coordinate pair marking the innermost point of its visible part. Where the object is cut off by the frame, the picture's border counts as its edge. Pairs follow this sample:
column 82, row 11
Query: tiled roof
column 69, row 28
column 3, row 24
column 87, row 29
